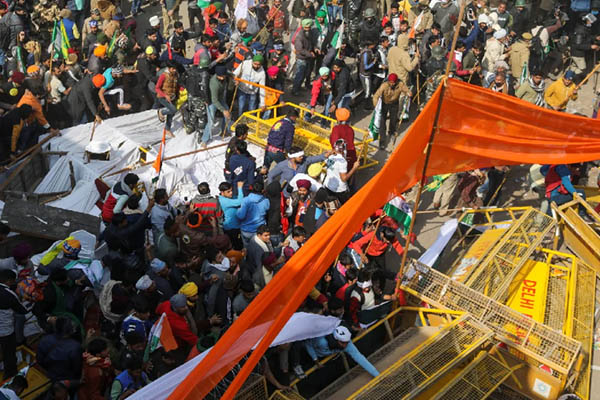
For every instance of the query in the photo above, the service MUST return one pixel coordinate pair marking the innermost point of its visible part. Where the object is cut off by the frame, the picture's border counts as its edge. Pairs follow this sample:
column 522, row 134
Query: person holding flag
column 518, row 58
column 386, row 103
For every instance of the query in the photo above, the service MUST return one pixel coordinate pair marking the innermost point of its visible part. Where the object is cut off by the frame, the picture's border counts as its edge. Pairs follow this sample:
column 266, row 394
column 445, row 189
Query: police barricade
column 311, row 137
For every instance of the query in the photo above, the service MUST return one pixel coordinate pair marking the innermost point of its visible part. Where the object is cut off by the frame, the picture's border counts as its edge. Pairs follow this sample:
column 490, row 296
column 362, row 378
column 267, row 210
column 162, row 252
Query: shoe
column 161, row 117
column 299, row 371
column 405, row 116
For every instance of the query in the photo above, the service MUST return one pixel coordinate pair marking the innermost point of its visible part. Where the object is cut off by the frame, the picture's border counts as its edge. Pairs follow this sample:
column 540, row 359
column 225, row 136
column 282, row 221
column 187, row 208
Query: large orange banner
column 476, row 128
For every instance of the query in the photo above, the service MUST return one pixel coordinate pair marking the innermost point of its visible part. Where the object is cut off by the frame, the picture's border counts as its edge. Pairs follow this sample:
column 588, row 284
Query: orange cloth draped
column 476, row 128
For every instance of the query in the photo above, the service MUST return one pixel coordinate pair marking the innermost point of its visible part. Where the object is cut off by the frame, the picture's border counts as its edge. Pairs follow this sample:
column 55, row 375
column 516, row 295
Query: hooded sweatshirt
column 252, row 212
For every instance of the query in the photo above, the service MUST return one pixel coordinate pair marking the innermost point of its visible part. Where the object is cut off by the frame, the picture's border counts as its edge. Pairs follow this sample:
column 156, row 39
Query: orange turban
column 32, row 69
column 342, row 114
column 98, row 80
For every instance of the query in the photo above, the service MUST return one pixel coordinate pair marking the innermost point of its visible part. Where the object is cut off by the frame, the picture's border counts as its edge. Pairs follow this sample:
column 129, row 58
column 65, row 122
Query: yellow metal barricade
column 494, row 273
column 580, row 236
column 413, row 373
column 533, row 339
column 311, row 137
column 255, row 388
column 478, row 380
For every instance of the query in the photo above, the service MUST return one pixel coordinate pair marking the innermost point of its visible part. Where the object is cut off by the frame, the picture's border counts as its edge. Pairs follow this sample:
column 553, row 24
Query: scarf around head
column 539, row 90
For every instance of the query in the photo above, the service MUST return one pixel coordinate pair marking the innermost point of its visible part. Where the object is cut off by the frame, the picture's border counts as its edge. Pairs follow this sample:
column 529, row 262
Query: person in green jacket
column 532, row 90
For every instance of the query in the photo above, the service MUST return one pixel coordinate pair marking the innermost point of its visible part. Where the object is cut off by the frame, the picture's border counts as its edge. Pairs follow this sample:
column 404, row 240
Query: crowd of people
column 200, row 264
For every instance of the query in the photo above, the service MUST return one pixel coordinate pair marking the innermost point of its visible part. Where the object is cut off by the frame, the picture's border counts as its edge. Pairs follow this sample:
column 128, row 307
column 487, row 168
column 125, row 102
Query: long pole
column 268, row 20
column 189, row 153
column 434, row 129
column 587, row 77
column 29, row 151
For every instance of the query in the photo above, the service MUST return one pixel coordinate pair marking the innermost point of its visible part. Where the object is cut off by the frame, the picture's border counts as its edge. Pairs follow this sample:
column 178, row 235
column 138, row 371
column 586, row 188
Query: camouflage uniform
column 195, row 112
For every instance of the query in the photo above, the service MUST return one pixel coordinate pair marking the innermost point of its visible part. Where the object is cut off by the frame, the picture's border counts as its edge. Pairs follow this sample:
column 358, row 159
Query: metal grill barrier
column 532, row 338
column 478, row 380
column 494, row 273
column 427, row 362
column 255, row 388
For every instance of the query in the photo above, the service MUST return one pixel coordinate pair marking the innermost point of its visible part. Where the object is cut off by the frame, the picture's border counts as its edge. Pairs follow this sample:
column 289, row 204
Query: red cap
column 17, row 77
column 392, row 77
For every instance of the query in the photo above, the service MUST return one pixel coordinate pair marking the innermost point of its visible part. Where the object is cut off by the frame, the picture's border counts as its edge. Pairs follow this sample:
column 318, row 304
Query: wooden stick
column 31, row 149
column 257, row 85
column 587, row 77
column 418, row 91
column 373, row 237
column 145, row 164
column 230, row 110
column 266, row 23
column 93, row 130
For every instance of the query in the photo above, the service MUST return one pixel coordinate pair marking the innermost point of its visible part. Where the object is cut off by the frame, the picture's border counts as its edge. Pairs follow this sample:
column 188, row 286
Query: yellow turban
column 190, row 289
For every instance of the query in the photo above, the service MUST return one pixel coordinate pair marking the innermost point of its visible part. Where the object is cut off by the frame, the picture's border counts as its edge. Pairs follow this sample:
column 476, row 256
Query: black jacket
column 342, row 85
column 581, row 41
column 83, row 95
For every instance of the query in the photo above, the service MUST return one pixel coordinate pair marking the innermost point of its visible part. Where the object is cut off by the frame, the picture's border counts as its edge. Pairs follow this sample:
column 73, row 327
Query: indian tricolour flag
column 400, row 211
column 159, row 158
column 375, row 121
column 160, row 335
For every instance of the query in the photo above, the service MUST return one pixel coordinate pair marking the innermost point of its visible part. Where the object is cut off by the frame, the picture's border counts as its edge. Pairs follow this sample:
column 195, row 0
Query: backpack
column 536, row 51
column 193, row 82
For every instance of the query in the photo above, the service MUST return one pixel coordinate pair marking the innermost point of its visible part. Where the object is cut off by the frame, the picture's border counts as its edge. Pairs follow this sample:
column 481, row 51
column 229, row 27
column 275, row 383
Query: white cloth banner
column 300, row 326
column 446, row 232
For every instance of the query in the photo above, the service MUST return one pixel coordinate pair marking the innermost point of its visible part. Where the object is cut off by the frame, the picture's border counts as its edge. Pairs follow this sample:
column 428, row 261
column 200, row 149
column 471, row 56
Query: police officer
column 197, row 83
column 434, row 72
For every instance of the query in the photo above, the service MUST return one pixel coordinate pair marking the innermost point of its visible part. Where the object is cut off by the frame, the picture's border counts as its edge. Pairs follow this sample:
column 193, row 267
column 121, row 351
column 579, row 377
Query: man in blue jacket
column 242, row 168
column 337, row 341
column 252, row 212
column 230, row 206
column 281, row 136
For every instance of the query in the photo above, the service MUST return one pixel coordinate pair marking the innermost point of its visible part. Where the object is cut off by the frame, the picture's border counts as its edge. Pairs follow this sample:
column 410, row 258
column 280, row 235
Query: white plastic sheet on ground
column 301, row 326
column 126, row 135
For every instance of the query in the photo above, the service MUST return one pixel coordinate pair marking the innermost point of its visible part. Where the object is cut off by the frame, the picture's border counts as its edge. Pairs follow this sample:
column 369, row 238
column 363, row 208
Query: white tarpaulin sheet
column 301, row 326
column 126, row 135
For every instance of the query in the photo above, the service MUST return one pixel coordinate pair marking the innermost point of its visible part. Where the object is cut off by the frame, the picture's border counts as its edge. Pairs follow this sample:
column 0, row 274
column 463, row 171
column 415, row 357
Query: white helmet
column 342, row 334
column 483, row 19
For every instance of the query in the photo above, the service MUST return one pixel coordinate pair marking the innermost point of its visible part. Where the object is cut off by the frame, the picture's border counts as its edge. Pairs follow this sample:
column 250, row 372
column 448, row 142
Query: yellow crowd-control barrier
column 311, row 137
column 580, row 236
column 430, row 360
column 478, row 380
column 493, row 274
column 255, row 388
column 533, row 339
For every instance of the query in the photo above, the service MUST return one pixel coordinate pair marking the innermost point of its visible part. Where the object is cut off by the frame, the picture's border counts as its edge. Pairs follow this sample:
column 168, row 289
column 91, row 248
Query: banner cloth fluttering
column 476, row 128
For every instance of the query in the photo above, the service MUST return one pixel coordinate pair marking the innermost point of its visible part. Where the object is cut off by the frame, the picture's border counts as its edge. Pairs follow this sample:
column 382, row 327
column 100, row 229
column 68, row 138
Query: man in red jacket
column 372, row 249
column 180, row 319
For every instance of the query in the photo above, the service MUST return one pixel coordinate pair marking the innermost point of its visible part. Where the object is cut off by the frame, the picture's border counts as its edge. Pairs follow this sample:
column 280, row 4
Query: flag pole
column 434, row 129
